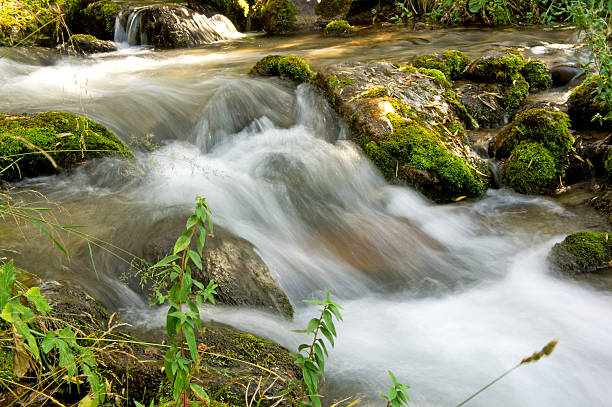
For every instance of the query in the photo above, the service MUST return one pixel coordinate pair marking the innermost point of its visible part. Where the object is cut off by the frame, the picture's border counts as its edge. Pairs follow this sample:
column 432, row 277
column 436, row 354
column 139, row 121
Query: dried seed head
column 546, row 351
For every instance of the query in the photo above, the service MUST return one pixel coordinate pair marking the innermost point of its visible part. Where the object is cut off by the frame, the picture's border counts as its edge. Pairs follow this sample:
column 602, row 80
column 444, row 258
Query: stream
column 446, row 296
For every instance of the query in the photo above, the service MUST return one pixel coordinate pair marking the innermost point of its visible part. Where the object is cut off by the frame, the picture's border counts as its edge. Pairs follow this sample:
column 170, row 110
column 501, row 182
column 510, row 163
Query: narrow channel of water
column 446, row 296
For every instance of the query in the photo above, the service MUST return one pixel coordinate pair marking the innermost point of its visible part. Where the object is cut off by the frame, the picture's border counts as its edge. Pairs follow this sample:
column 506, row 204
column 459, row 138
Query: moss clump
column 585, row 103
column 278, row 16
column 288, row 67
column 515, row 94
column 546, row 126
column 531, row 169
column 438, row 76
column 99, row 18
column 582, row 252
column 608, row 166
column 414, row 154
column 374, row 93
column 498, row 67
column 431, row 62
column 88, row 44
column 67, row 138
column 536, row 73
column 332, row 8
column 339, row 27
column 457, row 63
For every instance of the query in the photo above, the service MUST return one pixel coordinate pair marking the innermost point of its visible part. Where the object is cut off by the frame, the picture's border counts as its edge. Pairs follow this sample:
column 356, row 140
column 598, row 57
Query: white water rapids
column 447, row 297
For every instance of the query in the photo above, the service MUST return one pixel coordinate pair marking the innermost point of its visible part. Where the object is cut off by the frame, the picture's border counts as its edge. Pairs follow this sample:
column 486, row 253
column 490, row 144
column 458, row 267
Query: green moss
column 431, row 62
column 412, row 147
column 584, row 103
column 374, row 93
column 100, row 18
column 288, row 67
column 531, row 169
column 278, row 16
column 457, row 63
column 437, row 75
column 515, row 94
column 536, row 73
column 334, row 83
column 608, row 166
column 69, row 140
column 591, row 250
column 502, row 68
column 339, row 27
column 546, row 126
column 332, row 8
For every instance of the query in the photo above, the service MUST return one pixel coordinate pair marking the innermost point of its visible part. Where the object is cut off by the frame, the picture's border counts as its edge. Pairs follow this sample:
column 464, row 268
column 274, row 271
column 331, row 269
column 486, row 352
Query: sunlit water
column 445, row 296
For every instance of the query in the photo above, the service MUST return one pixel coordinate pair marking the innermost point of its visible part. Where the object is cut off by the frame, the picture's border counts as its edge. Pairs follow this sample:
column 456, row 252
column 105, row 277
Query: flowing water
column 445, row 296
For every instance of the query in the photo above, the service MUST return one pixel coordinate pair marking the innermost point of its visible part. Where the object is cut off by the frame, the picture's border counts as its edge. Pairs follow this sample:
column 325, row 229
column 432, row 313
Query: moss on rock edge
column 582, row 252
column 288, row 67
column 531, row 169
column 67, row 138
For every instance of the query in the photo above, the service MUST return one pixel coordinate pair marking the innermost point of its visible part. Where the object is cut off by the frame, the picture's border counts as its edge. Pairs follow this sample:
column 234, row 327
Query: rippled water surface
column 446, row 296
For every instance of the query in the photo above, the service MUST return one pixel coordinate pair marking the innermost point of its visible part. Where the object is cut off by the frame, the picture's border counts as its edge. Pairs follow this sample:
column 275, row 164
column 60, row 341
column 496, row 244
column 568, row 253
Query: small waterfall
column 170, row 26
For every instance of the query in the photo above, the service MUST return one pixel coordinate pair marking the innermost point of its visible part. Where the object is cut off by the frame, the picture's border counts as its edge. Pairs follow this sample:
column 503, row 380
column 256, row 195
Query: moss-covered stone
column 584, row 104
column 537, row 74
column 333, row 8
column 608, row 166
column 278, row 16
column 375, row 93
column 515, row 94
column 99, row 19
column 413, row 153
column 497, row 67
column 531, row 169
column 547, row 126
column 288, row 67
column 582, row 252
column 66, row 139
column 339, row 28
column 88, row 44
column 457, row 63
column 432, row 62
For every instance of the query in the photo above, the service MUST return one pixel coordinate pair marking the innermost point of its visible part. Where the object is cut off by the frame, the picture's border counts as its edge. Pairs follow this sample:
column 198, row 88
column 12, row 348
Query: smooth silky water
column 445, row 296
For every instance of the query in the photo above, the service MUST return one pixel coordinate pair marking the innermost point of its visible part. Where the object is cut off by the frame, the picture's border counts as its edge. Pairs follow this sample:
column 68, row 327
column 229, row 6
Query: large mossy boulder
column 288, row 67
column 409, row 124
column 582, row 252
column 242, row 277
column 535, row 147
column 339, row 28
column 584, row 104
column 333, row 9
column 46, row 143
column 98, row 19
column 537, row 74
column 278, row 16
column 498, row 87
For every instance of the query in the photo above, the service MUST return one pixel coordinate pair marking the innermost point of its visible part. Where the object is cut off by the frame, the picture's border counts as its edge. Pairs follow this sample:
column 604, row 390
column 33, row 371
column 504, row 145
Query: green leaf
column 334, row 309
column 328, row 335
column 312, row 325
column 40, row 302
column 165, row 261
column 191, row 341
column 197, row 260
column 393, row 378
column 193, row 219
column 138, row 404
column 181, row 244
column 322, row 343
column 476, row 5
column 200, row 393
column 7, row 281
column 327, row 317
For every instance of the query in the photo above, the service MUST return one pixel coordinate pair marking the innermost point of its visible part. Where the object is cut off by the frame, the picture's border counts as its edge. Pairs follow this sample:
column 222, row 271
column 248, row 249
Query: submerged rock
column 408, row 123
column 88, row 44
column 242, row 276
column 45, row 143
column 582, row 252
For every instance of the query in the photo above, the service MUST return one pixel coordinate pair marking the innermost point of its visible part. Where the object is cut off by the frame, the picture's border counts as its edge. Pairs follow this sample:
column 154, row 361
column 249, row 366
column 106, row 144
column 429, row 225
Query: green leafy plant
column 403, row 13
column 311, row 356
column 396, row 395
column 183, row 317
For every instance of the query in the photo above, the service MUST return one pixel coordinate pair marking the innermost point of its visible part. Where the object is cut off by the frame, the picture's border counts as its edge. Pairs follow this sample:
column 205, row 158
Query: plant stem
column 488, row 385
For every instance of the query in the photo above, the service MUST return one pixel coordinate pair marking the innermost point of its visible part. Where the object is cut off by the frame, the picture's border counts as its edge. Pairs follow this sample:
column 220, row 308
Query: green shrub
column 531, row 169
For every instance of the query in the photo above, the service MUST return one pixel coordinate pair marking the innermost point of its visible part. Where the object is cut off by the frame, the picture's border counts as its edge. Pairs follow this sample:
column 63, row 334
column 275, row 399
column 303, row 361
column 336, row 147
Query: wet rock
column 536, row 73
column 88, row 44
column 483, row 102
column 305, row 17
column 582, row 252
column 583, row 105
column 67, row 140
column 564, row 74
column 498, row 66
column 408, row 122
column 333, row 9
column 232, row 262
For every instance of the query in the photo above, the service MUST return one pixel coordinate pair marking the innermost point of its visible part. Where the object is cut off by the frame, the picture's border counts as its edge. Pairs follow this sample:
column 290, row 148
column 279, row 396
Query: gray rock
column 232, row 262
column 88, row 44
column 564, row 74
column 483, row 102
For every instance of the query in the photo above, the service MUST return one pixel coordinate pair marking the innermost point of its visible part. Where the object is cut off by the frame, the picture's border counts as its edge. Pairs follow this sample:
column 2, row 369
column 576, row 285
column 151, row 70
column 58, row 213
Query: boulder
column 339, row 28
column 565, row 74
column 59, row 140
column 484, row 102
column 537, row 74
column 582, row 252
column 232, row 262
column 497, row 66
column 452, row 64
column 409, row 123
column 288, row 67
column 88, row 44
column 584, row 104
